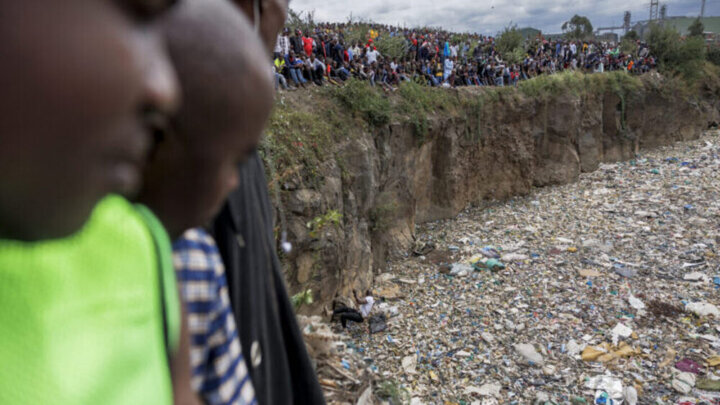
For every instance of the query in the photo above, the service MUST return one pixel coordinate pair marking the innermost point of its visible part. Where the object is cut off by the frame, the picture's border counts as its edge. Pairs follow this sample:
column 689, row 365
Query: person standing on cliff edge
column 279, row 365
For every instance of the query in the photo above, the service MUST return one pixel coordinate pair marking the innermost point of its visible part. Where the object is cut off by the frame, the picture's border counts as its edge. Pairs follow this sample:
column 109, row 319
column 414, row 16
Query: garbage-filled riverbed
column 603, row 291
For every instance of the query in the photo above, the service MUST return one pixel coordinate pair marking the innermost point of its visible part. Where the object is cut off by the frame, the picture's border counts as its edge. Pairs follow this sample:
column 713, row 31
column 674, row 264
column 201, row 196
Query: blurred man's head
column 227, row 97
column 77, row 79
column 268, row 16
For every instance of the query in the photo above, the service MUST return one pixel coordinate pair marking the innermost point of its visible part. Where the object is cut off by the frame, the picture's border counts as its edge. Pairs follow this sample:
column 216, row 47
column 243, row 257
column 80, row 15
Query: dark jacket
column 265, row 318
column 296, row 44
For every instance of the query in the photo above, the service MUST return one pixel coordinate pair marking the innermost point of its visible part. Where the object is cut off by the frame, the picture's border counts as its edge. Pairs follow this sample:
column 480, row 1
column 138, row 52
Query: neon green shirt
column 81, row 320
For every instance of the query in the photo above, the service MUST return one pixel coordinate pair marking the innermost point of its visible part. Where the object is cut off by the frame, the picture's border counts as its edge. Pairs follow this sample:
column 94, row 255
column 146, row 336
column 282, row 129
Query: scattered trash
column 489, row 264
column 378, row 323
column 461, row 269
column 620, row 331
column 490, row 390
column 609, row 389
column 703, row 309
column 669, row 358
column 422, row 248
column 409, row 364
column 708, row 384
column 625, row 272
column 683, row 382
column 573, row 348
column 605, row 352
column 631, row 395
column 568, row 296
column 661, row 309
column 530, row 354
column 636, row 303
column 490, row 252
column 514, row 257
column 589, row 273
column 488, row 338
column 688, row 366
column 343, row 374
column 389, row 291
column 696, row 276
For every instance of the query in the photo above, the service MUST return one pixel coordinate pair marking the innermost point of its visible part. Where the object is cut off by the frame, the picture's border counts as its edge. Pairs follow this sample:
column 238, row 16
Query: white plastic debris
column 490, row 390
column 636, row 303
column 514, row 257
column 461, row 269
column 607, row 384
column 631, row 395
column 573, row 348
column 530, row 354
column 703, row 309
column 620, row 331
column 683, row 382
column 487, row 337
column 696, row 276
column 409, row 363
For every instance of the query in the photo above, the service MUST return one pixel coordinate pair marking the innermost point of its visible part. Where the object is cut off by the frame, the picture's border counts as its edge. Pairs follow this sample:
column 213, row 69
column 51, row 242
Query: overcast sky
column 490, row 16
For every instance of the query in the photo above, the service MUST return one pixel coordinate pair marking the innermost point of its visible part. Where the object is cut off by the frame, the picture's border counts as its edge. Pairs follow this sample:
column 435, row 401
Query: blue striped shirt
column 219, row 373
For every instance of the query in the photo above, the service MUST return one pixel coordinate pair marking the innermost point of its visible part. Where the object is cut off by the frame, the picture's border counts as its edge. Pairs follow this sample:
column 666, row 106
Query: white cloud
column 490, row 16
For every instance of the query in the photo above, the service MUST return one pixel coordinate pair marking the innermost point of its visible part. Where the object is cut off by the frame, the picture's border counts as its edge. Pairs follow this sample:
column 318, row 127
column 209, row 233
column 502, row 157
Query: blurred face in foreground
column 269, row 16
column 78, row 76
column 227, row 98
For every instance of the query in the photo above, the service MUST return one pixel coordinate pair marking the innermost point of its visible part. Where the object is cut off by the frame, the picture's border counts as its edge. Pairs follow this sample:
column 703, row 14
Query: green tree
column 696, row 29
column 357, row 32
column 509, row 39
column 713, row 55
column 675, row 55
column 663, row 42
column 579, row 27
column 691, row 57
column 295, row 21
column 510, row 44
column 628, row 46
column 392, row 47
column 632, row 35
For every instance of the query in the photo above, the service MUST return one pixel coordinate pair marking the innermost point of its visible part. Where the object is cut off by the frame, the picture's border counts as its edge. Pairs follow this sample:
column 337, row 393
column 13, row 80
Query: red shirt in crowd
column 307, row 44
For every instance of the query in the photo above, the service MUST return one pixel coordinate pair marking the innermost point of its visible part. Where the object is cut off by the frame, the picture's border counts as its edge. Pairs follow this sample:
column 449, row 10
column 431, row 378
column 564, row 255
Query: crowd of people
column 436, row 58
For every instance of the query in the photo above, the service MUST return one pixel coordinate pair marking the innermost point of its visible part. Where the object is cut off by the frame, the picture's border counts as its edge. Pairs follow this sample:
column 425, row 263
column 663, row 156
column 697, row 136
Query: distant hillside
column 529, row 32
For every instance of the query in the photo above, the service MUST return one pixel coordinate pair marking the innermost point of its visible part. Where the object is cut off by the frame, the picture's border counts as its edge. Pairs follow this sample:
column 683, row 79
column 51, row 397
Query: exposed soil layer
column 383, row 181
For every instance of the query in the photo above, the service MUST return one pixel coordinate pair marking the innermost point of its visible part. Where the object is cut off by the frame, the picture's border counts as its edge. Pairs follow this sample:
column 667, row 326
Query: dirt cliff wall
column 354, row 202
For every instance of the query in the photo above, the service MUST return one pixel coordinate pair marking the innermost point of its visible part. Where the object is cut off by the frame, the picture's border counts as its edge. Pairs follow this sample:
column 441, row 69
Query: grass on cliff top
column 363, row 101
column 299, row 136
column 579, row 84
column 306, row 126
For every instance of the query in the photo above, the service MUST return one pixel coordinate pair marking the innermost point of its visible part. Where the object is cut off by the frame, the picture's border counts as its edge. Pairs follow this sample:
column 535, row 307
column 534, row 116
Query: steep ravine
column 383, row 181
